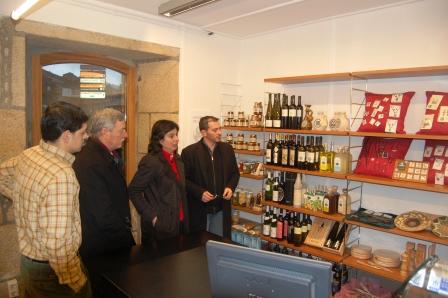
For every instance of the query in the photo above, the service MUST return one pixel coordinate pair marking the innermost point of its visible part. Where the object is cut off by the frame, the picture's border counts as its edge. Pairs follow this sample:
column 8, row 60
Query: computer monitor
column 237, row 271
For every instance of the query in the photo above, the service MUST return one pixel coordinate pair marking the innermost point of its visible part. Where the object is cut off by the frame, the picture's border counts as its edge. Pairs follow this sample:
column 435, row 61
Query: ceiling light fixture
column 22, row 9
column 175, row 7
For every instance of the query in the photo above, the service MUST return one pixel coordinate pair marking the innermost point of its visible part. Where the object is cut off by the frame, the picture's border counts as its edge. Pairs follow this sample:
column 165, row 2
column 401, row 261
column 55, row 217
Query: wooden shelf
column 328, row 77
column 315, row 251
column 390, row 273
column 311, row 173
column 422, row 235
column 335, row 217
column 369, row 74
column 398, row 136
column 402, row 72
column 307, row 132
column 248, row 210
column 250, row 176
column 398, row 183
column 248, row 152
column 243, row 128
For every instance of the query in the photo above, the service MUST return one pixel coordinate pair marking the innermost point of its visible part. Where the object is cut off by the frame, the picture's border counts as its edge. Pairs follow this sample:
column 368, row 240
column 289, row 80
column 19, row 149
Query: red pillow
column 385, row 112
column 436, row 153
column 436, row 115
column 378, row 156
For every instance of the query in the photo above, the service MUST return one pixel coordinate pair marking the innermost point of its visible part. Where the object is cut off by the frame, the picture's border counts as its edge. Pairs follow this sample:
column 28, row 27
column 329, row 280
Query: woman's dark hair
column 60, row 116
column 158, row 132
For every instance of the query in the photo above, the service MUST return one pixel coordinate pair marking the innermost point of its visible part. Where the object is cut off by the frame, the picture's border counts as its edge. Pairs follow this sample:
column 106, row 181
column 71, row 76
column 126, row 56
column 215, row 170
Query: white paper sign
column 443, row 114
column 434, row 102
column 394, row 111
column 438, row 164
column 427, row 122
column 391, row 125
column 439, row 150
column 396, row 98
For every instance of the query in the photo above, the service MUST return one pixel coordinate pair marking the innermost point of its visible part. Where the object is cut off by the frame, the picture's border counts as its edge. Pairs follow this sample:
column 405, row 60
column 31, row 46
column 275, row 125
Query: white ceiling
column 247, row 18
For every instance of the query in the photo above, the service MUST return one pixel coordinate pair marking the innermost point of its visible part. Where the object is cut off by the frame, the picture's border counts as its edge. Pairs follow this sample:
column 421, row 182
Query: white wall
column 415, row 34
column 412, row 35
column 205, row 61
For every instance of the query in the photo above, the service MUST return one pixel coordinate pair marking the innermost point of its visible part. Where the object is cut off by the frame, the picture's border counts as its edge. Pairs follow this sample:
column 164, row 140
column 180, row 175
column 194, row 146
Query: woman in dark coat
column 158, row 188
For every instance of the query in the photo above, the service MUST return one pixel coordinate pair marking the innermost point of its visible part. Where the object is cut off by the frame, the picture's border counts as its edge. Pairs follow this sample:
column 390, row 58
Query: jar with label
column 241, row 115
column 253, row 138
column 229, row 138
column 245, row 145
column 344, row 202
column 230, row 115
column 226, row 122
column 330, row 202
column 240, row 137
column 257, row 147
column 242, row 198
column 251, row 147
column 250, row 199
column 235, row 217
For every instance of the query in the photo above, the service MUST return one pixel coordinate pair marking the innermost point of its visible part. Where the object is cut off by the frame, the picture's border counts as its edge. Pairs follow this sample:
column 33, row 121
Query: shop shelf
column 251, row 176
column 248, row 210
column 248, row 152
column 335, row 217
column 311, row 173
column 389, row 273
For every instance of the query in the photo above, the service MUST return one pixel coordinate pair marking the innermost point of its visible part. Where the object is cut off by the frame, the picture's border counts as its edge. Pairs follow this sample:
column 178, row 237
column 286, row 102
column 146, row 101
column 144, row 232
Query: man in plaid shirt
column 44, row 190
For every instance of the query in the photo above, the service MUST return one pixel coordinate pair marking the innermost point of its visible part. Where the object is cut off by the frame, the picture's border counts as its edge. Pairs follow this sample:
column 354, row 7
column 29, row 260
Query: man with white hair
column 103, row 196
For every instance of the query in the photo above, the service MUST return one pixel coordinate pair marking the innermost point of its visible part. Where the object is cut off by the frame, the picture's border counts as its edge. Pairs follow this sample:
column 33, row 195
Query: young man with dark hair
column 212, row 175
column 44, row 190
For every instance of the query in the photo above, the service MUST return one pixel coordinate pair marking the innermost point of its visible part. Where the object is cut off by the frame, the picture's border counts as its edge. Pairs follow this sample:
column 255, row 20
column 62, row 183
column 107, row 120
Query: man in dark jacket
column 211, row 174
column 103, row 196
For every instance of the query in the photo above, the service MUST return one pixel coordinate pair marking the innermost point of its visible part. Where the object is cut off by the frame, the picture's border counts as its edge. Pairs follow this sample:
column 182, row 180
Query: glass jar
column 235, row 217
column 230, row 115
column 241, row 115
column 240, row 137
column 229, row 138
column 242, row 198
column 253, row 138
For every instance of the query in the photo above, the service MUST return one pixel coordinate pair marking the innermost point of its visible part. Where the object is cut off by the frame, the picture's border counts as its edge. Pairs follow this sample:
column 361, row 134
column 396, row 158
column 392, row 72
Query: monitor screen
column 237, row 271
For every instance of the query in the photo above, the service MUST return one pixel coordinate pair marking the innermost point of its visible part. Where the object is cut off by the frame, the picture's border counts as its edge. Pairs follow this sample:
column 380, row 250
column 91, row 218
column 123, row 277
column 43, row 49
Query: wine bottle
column 297, row 200
column 285, row 110
column 285, row 250
column 339, row 238
column 310, row 154
column 274, row 224
column 276, row 112
column 281, row 188
column 323, row 163
column 304, row 228
column 299, row 112
column 267, row 223
column 285, row 224
column 275, row 190
column 297, row 231
column 268, row 188
column 332, row 236
column 269, row 147
column 301, row 154
column 292, row 113
column 291, row 225
column 268, row 117
column 276, row 151
column 285, row 151
column 309, row 222
column 317, row 150
column 292, row 151
column 280, row 225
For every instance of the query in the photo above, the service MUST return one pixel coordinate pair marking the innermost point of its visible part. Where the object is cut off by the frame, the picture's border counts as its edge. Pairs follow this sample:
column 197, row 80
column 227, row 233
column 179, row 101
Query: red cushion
column 385, row 112
column 436, row 152
column 378, row 156
column 436, row 114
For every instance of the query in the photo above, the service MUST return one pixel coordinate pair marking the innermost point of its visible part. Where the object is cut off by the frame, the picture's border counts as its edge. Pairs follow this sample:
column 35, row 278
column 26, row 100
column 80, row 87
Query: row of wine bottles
column 284, row 115
column 307, row 154
column 282, row 225
column 340, row 274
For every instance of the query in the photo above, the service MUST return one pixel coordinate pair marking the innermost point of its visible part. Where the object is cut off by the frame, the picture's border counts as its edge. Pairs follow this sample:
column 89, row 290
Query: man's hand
column 227, row 193
column 207, row 197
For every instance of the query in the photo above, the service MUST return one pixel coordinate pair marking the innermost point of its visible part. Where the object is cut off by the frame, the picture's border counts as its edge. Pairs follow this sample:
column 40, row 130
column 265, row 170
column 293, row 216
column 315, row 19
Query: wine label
column 277, row 123
column 337, row 164
column 268, row 123
column 266, row 229
column 301, row 156
column 273, row 232
column 267, row 187
column 310, row 157
column 292, row 157
column 292, row 113
column 298, row 230
column 323, row 163
column 275, row 196
column 268, row 155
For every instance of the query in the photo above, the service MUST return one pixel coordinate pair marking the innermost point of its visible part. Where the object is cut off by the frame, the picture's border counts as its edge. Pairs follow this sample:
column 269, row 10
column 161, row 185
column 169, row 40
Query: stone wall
column 157, row 96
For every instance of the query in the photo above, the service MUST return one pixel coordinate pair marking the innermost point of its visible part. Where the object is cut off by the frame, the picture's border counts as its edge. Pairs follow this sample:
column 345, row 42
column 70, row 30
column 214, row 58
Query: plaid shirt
column 44, row 189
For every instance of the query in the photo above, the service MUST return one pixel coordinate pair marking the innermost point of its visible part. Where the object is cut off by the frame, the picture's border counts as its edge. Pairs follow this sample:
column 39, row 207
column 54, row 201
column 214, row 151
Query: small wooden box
column 341, row 249
column 319, row 232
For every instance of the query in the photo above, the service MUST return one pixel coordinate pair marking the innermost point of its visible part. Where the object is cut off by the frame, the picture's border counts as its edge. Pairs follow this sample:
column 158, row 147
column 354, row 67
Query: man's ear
column 66, row 137
column 203, row 132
